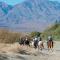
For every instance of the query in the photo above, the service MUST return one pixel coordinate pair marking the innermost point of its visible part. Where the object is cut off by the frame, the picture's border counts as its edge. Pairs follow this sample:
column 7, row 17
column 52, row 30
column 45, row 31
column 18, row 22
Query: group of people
column 24, row 41
column 37, row 42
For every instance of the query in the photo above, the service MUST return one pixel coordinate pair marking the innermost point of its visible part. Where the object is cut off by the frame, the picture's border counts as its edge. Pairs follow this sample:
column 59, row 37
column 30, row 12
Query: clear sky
column 13, row 2
column 56, row 0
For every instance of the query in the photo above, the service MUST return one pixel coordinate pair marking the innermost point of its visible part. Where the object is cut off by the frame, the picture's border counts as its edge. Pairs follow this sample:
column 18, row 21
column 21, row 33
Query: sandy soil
column 17, row 52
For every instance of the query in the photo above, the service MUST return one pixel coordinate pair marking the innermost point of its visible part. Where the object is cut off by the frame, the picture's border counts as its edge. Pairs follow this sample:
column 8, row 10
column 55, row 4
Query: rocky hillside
column 54, row 31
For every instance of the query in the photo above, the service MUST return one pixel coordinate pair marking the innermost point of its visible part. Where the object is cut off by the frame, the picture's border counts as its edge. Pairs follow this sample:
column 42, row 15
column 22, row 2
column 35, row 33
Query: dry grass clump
column 7, row 36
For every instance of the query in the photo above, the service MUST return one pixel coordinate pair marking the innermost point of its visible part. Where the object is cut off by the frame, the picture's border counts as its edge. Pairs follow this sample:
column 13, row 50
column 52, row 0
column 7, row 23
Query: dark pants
column 50, row 44
column 35, row 44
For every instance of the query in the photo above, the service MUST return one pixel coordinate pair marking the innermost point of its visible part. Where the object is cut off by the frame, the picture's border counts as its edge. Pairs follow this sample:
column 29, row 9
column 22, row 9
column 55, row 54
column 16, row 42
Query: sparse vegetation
column 8, row 36
column 54, row 31
column 33, row 34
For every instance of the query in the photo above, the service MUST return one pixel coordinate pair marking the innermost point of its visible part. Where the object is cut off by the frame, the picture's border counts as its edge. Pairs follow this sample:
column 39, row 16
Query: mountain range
column 30, row 15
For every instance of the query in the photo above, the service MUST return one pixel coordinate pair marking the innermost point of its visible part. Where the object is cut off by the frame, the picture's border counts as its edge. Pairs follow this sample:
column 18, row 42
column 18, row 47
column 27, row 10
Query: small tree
column 35, row 34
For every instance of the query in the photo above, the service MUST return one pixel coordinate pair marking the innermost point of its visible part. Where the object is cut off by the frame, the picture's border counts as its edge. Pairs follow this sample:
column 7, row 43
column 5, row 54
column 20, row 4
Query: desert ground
column 17, row 52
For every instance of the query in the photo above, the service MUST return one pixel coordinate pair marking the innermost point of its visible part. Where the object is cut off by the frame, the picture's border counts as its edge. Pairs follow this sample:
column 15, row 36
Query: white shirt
column 36, row 39
column 49, row 37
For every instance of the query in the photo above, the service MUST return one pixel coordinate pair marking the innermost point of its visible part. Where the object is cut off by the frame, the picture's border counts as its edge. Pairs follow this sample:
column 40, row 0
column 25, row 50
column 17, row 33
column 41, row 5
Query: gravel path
column 41, row 55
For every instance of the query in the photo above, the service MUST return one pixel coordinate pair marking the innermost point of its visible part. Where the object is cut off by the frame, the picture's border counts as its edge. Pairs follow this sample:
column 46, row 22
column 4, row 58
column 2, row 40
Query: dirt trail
column 30, row 54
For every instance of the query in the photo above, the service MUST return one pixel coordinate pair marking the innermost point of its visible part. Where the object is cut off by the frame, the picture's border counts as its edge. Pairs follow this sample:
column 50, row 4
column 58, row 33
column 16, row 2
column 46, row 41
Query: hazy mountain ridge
column 5, row 7
column 33, row 15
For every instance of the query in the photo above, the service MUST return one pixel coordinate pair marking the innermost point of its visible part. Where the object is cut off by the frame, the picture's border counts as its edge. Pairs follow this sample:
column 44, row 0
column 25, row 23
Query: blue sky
column 56, row 0
column 14, row 2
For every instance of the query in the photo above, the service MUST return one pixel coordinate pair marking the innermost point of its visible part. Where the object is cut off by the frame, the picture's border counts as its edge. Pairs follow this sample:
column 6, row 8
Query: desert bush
column 7, row 36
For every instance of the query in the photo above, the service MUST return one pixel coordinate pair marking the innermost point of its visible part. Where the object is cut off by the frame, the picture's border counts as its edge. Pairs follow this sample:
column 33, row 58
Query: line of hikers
column 37, row 42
